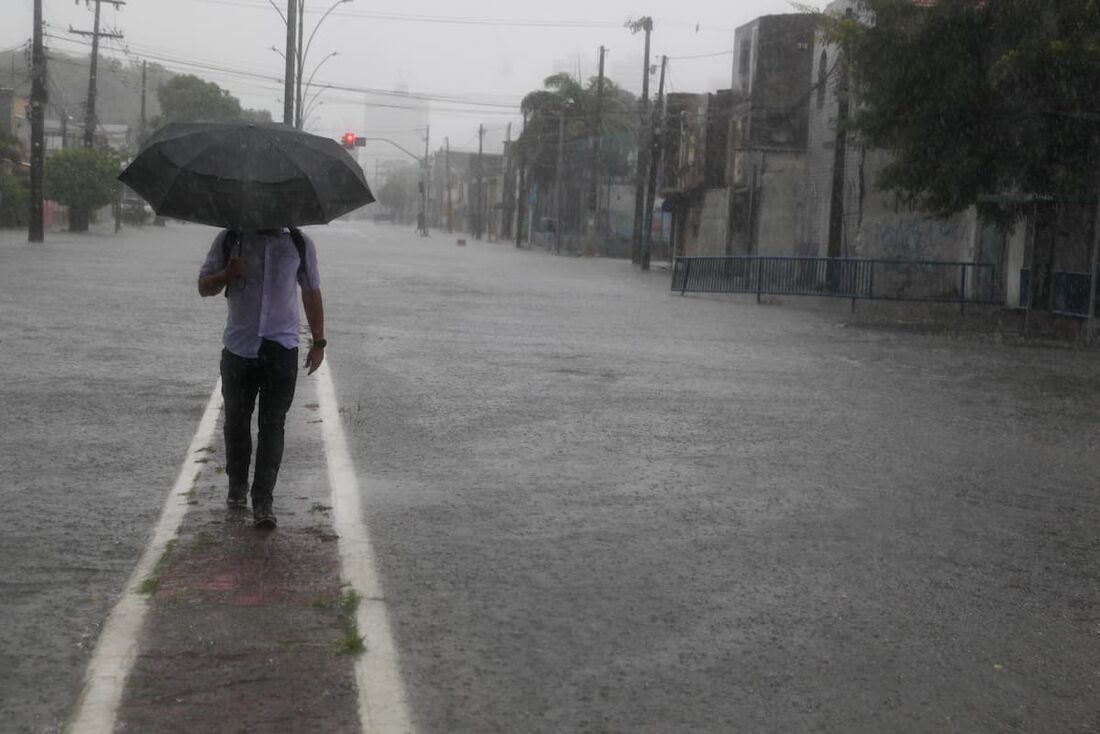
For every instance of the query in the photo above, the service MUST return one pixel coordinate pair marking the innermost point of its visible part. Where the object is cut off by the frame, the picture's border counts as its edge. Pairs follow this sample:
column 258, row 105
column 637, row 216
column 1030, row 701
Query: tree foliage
column 400, row 191
column 977, row 97
column 14, row 198
column 83, row 179
column 616, row 124
column 187, row 98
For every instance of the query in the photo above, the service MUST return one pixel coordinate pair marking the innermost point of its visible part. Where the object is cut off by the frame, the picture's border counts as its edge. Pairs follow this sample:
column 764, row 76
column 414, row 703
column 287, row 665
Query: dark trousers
column 271, row 377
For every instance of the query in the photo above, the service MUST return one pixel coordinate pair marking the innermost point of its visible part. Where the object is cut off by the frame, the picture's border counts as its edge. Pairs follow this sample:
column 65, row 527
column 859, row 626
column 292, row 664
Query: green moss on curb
column 148, row 587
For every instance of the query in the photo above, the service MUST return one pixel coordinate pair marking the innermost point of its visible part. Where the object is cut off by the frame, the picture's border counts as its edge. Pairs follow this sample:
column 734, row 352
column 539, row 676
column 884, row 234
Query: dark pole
column 447, row 180
column 645, row 24
column 1094, row 263
column 144, row 64
column 521, row 198
column 558, row 195
column 654, row 160
column 89, row 108
column 424, row 185
column 597, row 145
column 840, row 151
column 480, row 195
column 93, row 71
column 298, row 71
column 291, row 55
column 508, row 205
column 35, row 228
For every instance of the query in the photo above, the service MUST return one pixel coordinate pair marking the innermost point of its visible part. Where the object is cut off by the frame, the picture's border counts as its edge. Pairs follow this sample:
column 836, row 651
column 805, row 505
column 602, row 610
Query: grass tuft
column 351, row 642
column 148, row 587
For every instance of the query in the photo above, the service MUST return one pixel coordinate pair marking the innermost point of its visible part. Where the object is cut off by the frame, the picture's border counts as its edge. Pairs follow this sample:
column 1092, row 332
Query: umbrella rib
column 277, row 144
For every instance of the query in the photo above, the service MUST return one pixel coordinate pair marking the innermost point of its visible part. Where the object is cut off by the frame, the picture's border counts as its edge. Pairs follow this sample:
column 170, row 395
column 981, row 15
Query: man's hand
column 314, row 359
column 235, row 268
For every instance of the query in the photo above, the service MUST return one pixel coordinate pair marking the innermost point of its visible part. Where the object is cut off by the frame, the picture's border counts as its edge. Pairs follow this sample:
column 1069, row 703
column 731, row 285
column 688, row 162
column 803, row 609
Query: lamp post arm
column 313, row 99
column 406, row 151
column 278, row 10
column 309, row 83
column 317, row 27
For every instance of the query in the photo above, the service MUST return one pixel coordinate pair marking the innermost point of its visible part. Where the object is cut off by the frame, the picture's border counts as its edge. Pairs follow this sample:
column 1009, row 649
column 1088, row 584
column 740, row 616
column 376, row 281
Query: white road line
column 382, row 705
column 116, row 649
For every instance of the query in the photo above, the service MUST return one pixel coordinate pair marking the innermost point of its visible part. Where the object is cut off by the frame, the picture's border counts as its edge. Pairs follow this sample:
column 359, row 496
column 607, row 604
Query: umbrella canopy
column 246, row 176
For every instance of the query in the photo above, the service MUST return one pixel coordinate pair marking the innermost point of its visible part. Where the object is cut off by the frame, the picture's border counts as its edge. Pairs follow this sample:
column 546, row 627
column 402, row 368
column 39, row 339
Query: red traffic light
column 349, row 140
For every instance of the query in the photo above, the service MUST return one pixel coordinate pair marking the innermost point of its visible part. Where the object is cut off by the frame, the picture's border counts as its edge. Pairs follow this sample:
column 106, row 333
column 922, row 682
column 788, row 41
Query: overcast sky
column 420, row 47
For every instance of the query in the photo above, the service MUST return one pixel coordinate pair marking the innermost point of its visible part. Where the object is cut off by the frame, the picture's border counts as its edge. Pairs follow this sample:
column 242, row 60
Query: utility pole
column 298, row 64
column 509, row 192
column 89, row 107
column 447, row 179
column 643, row 24
column 558, row 177
column 522, row 193
column 35, row 228
column 424, row 185
column 654, row 161
column 594, row 195
column 1094, row 264
column 478, row 223
column 144, row 70
column 291, row 55
column 64, row 129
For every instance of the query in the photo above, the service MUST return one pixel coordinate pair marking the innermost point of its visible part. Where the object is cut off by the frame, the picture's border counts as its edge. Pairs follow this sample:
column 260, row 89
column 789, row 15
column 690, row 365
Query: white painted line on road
column 382, row 705
column 117, row 647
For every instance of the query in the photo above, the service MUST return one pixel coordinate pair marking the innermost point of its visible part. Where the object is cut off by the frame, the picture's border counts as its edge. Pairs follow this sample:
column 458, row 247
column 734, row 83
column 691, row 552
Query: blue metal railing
column 1069, row 295
column 854, row 278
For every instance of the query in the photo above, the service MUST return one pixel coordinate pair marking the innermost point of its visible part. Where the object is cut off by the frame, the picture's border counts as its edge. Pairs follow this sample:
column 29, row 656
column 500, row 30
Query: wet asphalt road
column 597, row 507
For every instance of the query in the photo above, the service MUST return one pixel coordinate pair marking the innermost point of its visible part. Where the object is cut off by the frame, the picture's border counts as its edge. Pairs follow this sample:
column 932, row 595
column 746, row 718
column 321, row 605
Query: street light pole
column 303, row 53
column 424, row 185
column 35, row 225
column 288, row 80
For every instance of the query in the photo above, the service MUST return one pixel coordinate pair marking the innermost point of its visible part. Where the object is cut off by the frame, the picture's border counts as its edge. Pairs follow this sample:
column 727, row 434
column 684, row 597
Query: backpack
column 233, row 238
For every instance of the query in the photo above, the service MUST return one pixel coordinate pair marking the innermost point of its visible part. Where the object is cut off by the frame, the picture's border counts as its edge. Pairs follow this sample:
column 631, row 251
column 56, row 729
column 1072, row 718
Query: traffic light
column 349, row 140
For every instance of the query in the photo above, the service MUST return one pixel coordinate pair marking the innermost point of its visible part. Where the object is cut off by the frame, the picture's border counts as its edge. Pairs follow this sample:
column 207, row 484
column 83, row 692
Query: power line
column 207, row 66
column 702, row 56
column 446, row 20
column 272, row 83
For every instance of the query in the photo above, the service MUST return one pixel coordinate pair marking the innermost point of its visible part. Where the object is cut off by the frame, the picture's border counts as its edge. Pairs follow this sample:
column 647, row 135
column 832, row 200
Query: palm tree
column 562, row 121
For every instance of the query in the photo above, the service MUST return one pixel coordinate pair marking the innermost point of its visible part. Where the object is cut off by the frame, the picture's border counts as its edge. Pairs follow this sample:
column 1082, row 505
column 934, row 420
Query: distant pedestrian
column 261, row 272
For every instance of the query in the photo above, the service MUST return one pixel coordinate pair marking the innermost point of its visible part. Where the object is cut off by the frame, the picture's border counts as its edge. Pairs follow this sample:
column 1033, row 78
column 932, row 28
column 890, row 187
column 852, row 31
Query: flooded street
column 595, row 505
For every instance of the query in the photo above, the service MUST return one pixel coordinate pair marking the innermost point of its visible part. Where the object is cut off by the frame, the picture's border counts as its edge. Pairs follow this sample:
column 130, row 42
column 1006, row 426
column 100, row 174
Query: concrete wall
column 771, row 69
column 711, row 218
column 780, row 203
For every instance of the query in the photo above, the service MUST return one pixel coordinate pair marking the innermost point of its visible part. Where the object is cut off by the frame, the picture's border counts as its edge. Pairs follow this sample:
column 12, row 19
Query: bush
column 83, row 179
column 14, row 200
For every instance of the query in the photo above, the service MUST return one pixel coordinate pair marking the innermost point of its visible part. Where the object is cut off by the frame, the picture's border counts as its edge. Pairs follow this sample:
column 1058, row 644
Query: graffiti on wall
column 915, row 238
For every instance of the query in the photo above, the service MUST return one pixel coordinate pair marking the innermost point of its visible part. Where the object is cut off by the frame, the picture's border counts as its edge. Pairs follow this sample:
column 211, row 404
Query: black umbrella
column 246, row 176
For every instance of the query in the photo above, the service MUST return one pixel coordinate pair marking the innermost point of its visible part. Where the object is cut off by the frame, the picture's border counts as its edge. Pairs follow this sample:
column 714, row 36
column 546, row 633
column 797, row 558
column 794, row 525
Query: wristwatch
column 319, row 344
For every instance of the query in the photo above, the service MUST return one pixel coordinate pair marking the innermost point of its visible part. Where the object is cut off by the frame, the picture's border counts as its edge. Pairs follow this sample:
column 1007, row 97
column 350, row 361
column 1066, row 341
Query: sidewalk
column 250, row 630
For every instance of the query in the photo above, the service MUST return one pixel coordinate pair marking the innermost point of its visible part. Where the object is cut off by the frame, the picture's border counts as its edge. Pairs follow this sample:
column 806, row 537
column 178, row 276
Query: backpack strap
column 300, row 245
column 232, row 238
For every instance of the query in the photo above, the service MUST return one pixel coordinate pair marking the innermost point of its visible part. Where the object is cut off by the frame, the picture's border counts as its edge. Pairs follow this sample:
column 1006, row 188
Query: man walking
column 261, row 272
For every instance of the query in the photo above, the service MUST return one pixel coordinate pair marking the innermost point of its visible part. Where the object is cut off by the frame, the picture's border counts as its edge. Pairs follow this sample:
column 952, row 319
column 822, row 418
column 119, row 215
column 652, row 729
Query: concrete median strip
column 218, row 621
column 382, row 703
column 116, row 649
